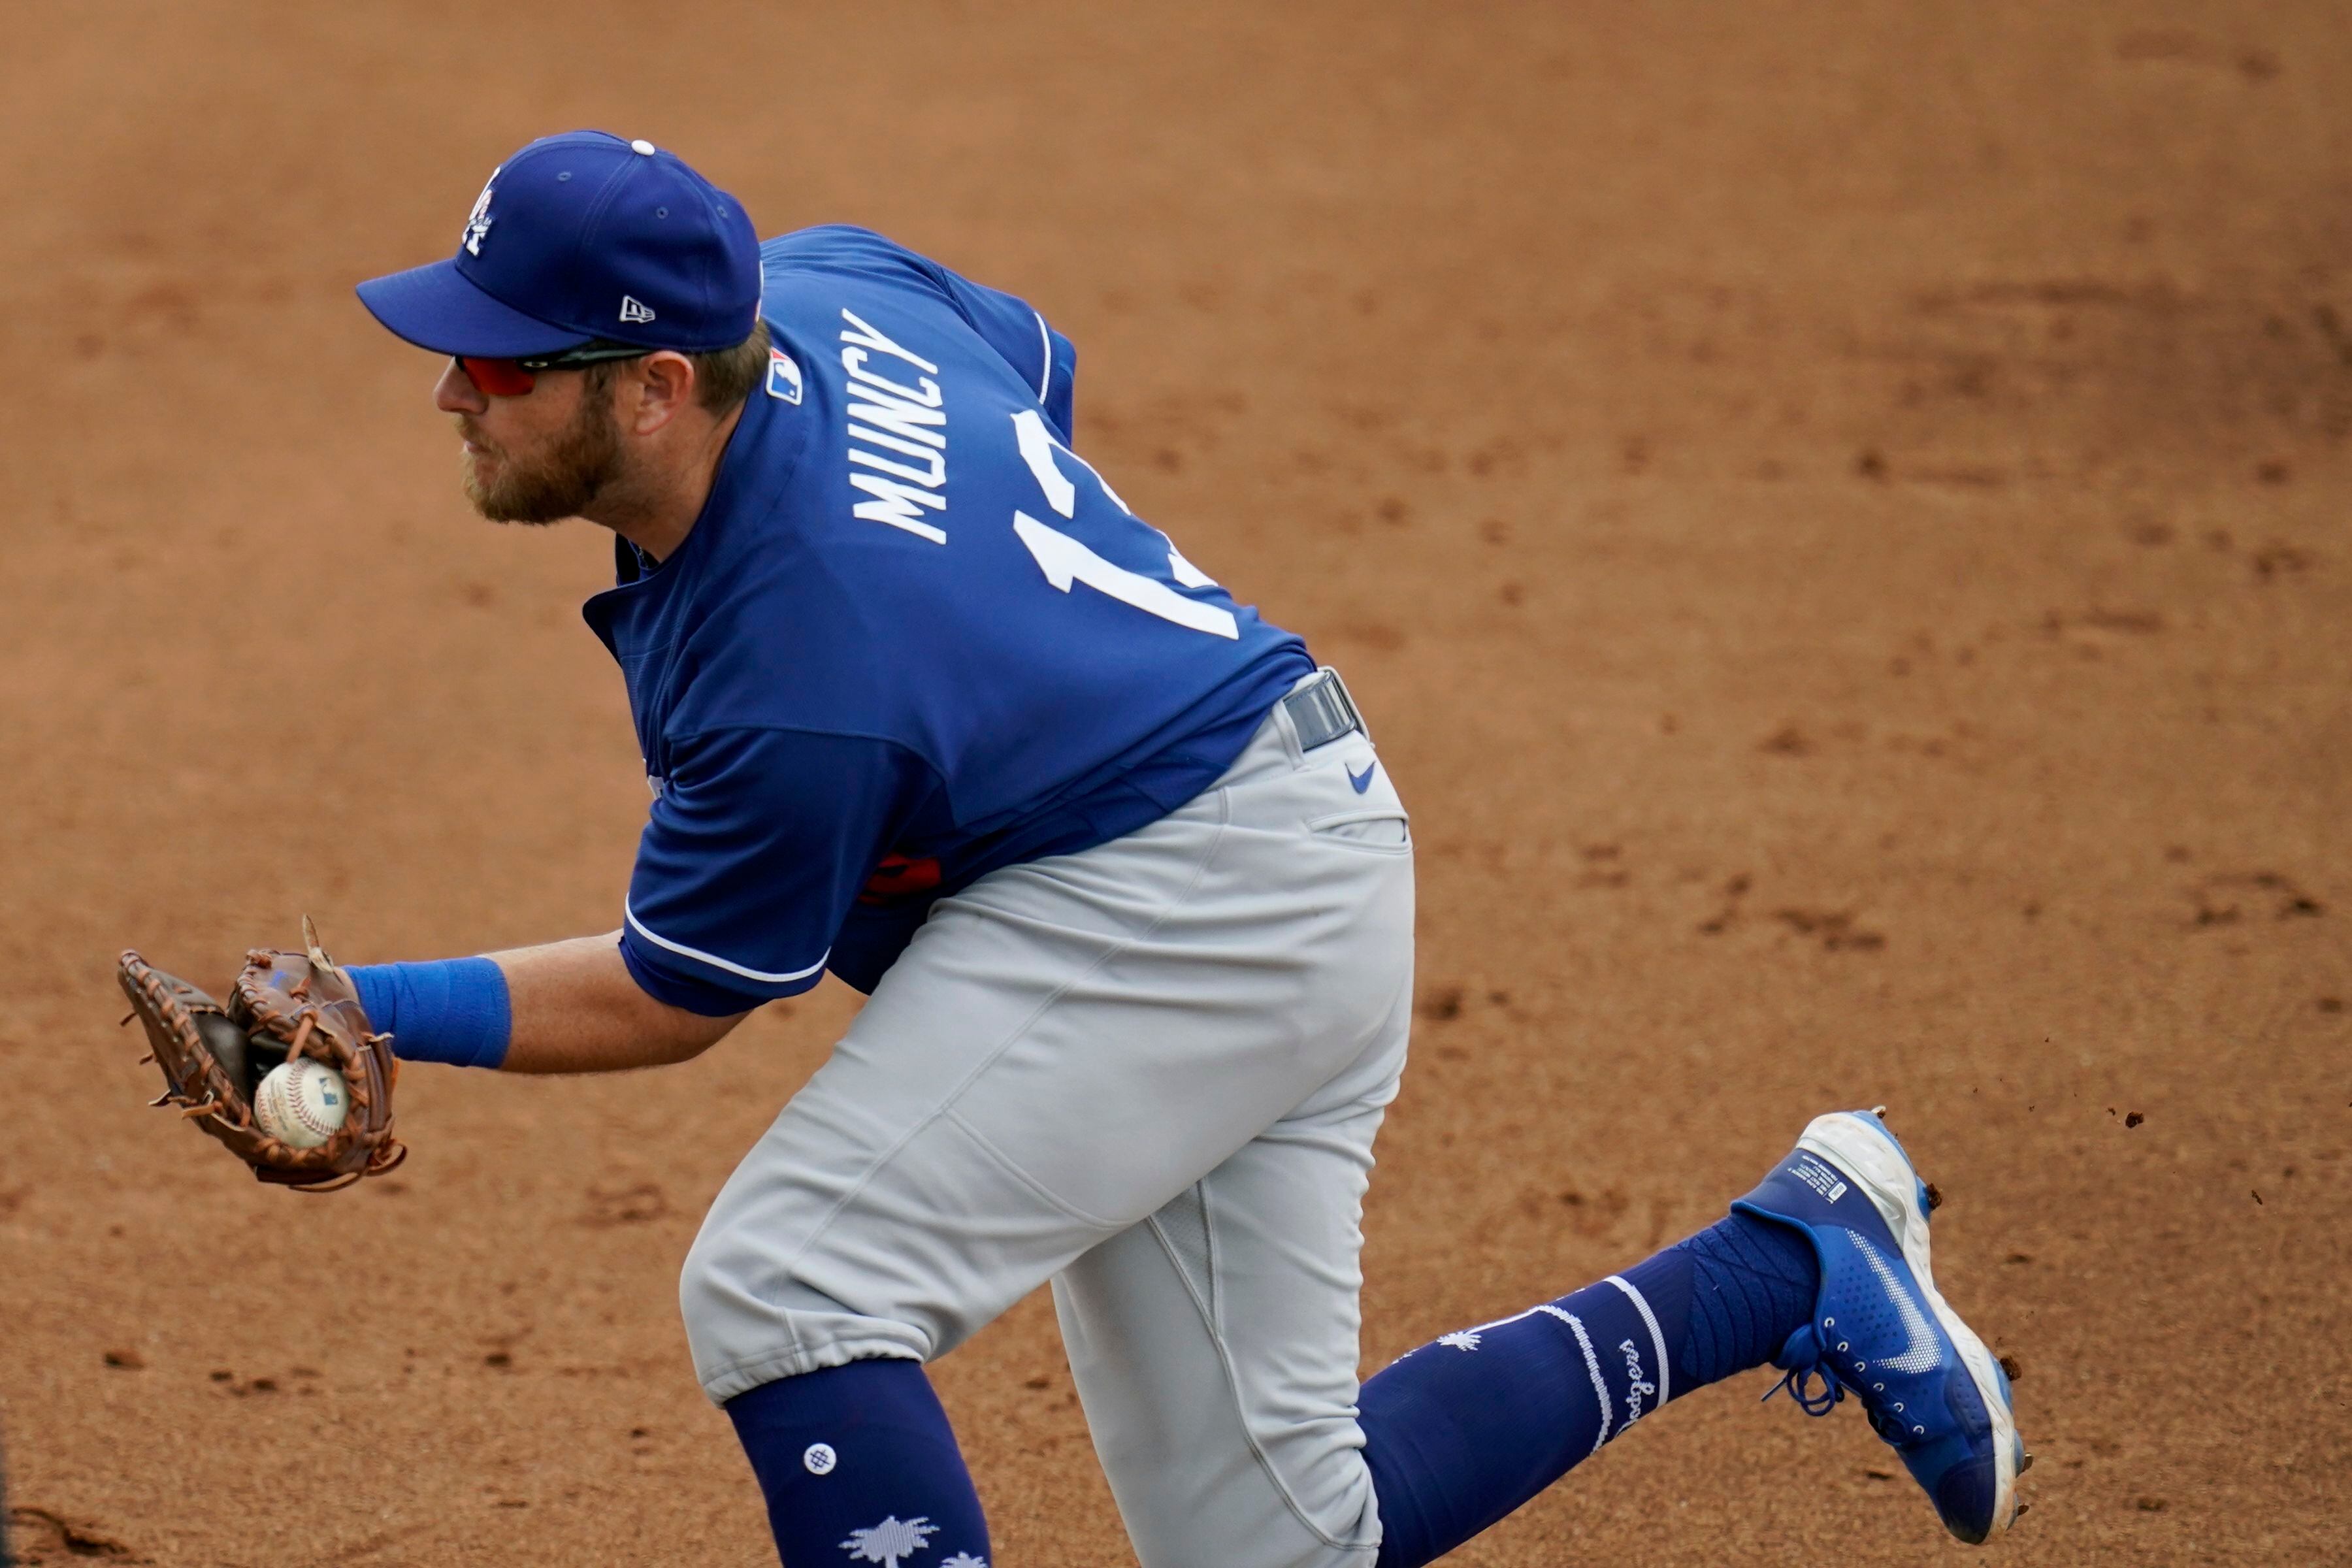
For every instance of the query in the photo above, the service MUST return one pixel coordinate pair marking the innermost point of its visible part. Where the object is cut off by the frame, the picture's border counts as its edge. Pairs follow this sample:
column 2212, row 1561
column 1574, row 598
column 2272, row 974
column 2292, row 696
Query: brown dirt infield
column 1837, row 514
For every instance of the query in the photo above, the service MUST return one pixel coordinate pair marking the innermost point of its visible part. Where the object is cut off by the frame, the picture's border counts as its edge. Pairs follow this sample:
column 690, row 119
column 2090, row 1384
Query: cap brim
column 437, row 308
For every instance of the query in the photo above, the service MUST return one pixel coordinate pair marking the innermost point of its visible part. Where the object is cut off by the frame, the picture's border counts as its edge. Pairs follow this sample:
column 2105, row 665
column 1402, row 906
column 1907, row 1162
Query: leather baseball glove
column 284, row 1005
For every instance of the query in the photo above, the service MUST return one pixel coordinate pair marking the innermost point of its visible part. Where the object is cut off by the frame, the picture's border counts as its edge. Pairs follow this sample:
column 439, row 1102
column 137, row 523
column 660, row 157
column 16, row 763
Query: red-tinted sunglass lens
column 496, row 377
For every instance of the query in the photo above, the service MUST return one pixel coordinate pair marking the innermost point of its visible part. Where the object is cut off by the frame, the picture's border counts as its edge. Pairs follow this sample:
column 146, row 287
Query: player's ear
column 663, row 388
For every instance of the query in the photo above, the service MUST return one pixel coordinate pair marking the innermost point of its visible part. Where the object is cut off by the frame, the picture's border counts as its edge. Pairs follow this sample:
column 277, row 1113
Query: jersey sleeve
column 1014, row 329
column 758, row 845
column 1017, row 330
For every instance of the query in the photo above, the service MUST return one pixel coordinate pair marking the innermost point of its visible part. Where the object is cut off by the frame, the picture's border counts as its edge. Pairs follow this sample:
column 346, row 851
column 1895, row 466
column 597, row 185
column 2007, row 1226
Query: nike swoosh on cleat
column 1922, row 1353
column 1365, row 782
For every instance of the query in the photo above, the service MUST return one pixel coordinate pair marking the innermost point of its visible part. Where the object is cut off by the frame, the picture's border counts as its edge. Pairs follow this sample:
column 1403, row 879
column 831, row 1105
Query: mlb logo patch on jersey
column 783, row 376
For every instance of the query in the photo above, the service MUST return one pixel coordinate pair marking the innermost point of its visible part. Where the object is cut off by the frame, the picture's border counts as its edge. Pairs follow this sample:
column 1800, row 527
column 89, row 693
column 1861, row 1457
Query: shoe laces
column 1805, row 1358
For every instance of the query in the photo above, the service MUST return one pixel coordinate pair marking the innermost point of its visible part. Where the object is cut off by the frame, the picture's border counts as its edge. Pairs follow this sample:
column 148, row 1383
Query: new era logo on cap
column 633, row 310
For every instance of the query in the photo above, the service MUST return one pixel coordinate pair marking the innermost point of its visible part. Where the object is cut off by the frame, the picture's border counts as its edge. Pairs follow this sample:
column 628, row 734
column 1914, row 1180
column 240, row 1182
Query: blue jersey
column 911, row 638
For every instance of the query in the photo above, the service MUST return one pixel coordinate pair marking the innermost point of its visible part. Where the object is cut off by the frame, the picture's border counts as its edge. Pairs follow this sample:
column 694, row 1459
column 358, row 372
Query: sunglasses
column 513, row 377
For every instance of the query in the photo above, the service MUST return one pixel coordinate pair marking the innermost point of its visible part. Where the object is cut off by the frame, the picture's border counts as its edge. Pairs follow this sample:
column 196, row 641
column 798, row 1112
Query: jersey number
column 1066, row 559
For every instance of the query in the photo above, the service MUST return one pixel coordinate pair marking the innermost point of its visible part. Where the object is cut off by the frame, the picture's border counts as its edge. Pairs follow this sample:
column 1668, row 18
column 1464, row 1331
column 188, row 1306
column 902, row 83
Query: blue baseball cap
column 579, row 238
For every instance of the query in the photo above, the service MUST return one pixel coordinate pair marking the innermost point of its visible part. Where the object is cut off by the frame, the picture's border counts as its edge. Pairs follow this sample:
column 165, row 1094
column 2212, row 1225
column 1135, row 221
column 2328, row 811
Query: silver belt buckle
column 1322, row 710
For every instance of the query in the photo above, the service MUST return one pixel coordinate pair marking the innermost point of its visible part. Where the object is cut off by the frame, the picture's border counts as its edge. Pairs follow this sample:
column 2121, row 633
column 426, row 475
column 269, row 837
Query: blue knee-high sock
column 1461, row 1432
column 859, row 1459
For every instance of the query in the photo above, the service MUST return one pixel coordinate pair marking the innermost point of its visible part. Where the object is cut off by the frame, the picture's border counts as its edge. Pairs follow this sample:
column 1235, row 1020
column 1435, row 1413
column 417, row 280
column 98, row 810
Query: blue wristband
column 454, row 1010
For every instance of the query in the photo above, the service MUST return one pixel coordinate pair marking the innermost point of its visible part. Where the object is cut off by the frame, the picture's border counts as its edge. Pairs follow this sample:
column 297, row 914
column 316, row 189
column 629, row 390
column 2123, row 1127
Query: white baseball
column 301, row 1102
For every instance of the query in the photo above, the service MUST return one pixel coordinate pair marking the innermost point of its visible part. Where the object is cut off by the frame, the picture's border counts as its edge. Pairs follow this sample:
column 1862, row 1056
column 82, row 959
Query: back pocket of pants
column 1375, row 828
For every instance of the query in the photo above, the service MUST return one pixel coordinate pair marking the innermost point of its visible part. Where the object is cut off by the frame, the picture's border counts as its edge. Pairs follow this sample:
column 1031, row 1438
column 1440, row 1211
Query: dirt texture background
column 1837, row 514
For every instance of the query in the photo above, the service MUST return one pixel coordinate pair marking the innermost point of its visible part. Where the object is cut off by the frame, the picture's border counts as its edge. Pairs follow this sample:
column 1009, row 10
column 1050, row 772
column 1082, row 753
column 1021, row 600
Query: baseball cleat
column 1881, row 1331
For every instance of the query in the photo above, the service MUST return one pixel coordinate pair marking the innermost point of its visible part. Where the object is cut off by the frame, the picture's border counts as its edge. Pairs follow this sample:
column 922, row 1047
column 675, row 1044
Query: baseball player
column 925, row 704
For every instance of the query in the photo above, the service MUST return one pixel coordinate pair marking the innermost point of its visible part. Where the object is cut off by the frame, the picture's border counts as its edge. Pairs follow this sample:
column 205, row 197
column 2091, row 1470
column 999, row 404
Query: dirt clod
column 44, row 1537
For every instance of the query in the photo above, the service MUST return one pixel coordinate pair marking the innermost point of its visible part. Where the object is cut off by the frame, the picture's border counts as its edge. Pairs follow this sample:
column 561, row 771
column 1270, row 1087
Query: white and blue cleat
column 1882, row 1332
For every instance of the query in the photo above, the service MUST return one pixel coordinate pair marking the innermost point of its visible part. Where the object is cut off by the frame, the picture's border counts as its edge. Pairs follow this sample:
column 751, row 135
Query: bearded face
column 542, row 479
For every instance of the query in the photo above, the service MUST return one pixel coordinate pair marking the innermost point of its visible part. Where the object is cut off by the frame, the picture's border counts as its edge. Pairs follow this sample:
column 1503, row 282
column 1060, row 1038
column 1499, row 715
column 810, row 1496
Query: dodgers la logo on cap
column 596, row 238
column 477, row 222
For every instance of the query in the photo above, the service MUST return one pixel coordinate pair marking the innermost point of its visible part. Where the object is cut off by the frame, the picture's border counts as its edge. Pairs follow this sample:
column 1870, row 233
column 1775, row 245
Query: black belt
column 1322, row 711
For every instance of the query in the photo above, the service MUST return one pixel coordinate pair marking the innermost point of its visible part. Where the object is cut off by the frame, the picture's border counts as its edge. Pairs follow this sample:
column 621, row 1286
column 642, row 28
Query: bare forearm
column 576, row 1008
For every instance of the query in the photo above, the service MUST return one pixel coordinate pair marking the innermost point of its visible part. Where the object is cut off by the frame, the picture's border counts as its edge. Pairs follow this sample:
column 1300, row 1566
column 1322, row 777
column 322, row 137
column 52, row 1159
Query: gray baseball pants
column 1150, row 1073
